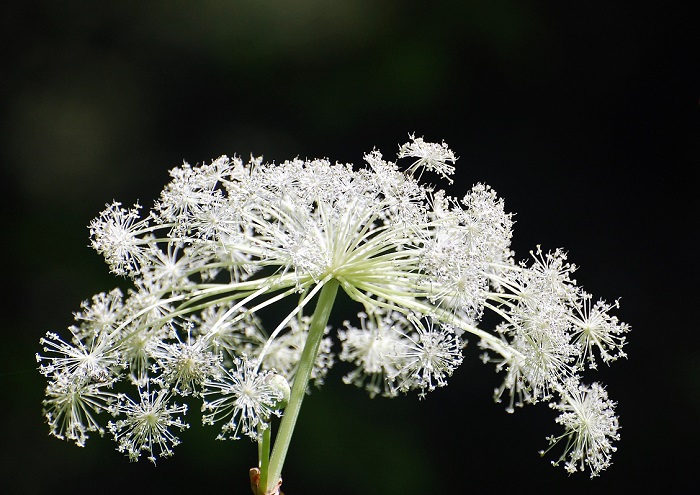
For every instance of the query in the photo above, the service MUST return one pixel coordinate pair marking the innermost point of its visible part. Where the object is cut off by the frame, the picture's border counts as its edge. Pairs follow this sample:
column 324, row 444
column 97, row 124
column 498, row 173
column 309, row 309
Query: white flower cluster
column 228, row 241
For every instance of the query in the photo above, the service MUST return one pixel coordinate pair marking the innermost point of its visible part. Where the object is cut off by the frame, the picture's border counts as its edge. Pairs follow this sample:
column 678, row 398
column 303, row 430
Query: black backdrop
column 584, row 116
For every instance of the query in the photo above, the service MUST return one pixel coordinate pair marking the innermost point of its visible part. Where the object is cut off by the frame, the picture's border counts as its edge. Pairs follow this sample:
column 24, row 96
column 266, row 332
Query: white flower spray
column 228, row 239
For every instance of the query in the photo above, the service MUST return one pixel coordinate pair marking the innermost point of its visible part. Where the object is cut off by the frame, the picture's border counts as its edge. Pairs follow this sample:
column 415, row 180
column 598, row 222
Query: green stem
column 301, row 380
column 264, row 454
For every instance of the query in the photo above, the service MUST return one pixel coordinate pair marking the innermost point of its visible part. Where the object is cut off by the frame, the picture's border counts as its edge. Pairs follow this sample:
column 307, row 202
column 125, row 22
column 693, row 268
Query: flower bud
column 281, row 385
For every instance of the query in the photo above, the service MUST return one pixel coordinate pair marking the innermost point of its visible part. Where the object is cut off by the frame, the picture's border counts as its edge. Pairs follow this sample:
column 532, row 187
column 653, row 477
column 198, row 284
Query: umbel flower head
column 229, row 242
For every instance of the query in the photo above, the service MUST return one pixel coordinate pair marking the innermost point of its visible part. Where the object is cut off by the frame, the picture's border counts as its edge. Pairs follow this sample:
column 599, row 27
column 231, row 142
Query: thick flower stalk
column 228, row 243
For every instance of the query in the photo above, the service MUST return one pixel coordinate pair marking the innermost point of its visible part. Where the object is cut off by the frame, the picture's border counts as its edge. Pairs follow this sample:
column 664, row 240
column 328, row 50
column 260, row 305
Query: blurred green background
column 584, row 116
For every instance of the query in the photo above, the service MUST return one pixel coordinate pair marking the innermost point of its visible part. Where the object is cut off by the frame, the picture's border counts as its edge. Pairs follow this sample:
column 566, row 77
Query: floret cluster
column 230, row 240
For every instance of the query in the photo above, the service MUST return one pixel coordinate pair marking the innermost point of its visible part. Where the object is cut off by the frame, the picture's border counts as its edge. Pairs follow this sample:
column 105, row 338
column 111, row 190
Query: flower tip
column 434, row 157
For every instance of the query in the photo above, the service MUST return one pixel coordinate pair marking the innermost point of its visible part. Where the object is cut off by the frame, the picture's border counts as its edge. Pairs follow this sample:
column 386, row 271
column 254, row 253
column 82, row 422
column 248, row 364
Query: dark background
column 584, row 116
